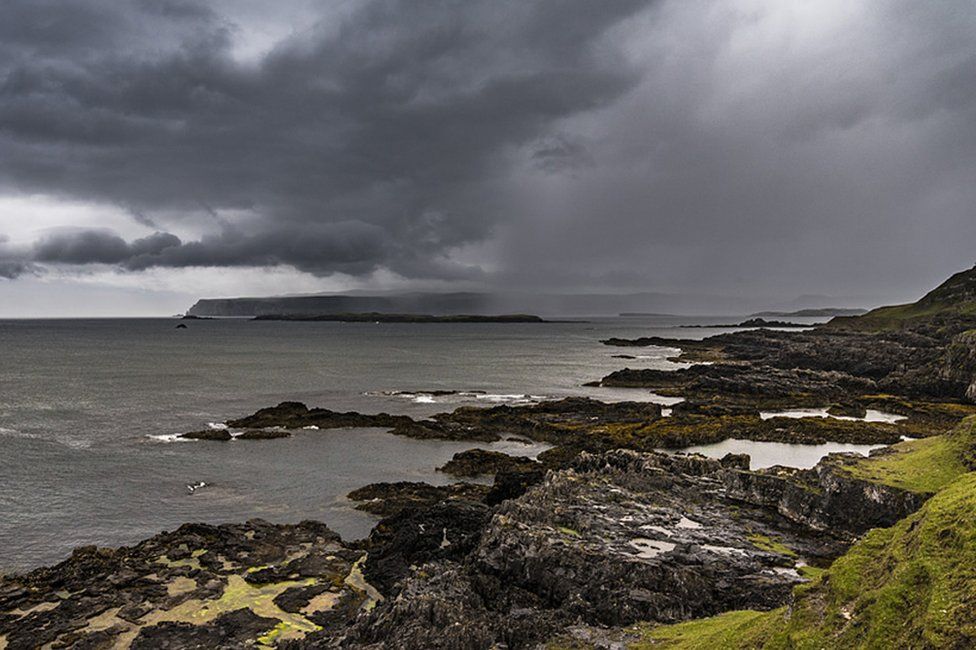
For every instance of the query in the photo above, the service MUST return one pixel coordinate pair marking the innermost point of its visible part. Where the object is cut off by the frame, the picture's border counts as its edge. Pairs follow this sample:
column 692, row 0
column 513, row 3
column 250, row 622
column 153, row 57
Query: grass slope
column 926, row 465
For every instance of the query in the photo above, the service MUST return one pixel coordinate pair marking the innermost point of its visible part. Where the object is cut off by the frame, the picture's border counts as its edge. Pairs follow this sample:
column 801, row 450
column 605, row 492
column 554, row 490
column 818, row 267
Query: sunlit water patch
column 871, row 415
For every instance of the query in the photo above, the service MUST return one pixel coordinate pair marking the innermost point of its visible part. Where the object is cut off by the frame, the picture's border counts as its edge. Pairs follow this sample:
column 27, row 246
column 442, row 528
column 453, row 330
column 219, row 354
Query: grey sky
column 167, row 149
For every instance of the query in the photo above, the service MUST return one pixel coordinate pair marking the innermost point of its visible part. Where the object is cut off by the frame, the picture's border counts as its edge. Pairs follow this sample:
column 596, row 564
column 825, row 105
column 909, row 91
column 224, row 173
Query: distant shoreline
column 405, row 318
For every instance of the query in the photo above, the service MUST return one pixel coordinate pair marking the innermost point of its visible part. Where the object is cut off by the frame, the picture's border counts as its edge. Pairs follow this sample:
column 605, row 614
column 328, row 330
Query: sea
column 90, row 411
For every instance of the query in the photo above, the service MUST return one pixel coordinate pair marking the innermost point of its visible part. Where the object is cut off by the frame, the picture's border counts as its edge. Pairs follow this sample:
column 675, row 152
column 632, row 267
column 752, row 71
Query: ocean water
column 87, row 407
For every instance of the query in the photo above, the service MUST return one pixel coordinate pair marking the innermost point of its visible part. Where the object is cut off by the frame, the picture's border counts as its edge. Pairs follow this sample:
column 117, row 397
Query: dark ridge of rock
column 556, row 421
column 208, row 434
column 764, row 383
column 295, row 415
column 386, row 499
column 755, row 322
column 811, row 313
column 181, row 326
column 478, row 462
column 264, row 434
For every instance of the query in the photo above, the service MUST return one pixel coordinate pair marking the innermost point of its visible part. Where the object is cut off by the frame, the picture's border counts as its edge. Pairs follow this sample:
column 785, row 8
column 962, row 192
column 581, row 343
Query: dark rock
column 825, row 498
column 387, row 499
column 209, row 434
column 848, row 409
column 513, row 483
column 478, row 462
column 444, row 531
column 264, row 434
column 295, row 415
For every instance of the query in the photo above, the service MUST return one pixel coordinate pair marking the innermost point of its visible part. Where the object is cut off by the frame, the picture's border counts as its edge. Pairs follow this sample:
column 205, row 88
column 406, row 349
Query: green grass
column 742, row 629
column 909, row 586
column 924, row 466
column 765, row 543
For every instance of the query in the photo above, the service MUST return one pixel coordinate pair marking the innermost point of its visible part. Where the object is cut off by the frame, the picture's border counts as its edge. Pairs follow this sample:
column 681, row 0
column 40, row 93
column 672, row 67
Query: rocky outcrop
column 766, row 383
column 958, row 364
column 619, row 537
column 825, row 498
column 295, row 415
column 221, row 435
column 390, row 498
column 478, row 462
column 447, row 530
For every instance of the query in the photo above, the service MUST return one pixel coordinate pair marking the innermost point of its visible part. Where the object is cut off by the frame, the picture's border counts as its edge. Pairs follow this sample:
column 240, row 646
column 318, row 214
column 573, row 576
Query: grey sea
column 89, row 410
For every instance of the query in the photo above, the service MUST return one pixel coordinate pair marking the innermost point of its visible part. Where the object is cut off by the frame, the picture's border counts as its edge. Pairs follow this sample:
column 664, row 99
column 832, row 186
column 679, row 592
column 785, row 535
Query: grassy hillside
column 955, row 296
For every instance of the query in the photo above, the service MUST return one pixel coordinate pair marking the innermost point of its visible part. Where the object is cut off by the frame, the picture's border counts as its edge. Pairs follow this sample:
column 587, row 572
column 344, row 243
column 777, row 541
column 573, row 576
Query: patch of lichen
column 925, row 465
column 912, row 585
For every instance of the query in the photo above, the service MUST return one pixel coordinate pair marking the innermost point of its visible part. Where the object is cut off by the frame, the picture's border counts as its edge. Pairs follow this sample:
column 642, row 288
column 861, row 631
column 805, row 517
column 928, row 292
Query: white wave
column 217, row 426
column 502, row 398
column 448, row 397
column 14, row 433
column 169, row 437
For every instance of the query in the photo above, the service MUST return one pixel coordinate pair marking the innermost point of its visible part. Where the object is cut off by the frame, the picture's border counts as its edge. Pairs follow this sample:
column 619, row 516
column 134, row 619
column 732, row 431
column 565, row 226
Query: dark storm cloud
column 679, row 144
column 355, row 146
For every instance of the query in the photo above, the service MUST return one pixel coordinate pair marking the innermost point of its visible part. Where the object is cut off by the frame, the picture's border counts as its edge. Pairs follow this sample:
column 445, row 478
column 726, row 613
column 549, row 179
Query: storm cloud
column 731, row 145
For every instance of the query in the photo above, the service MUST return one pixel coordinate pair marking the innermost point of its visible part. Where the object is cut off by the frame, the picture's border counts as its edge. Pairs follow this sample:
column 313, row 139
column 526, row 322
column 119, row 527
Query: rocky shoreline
column 605, row 529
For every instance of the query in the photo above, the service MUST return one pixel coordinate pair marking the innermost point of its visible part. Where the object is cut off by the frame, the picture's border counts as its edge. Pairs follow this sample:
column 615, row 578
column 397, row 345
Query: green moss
column 764, row 543
column 569, row 531
column 925, row 466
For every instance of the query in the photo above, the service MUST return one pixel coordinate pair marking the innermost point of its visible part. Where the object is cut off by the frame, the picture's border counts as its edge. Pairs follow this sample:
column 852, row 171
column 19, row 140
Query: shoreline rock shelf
column 601, row 532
